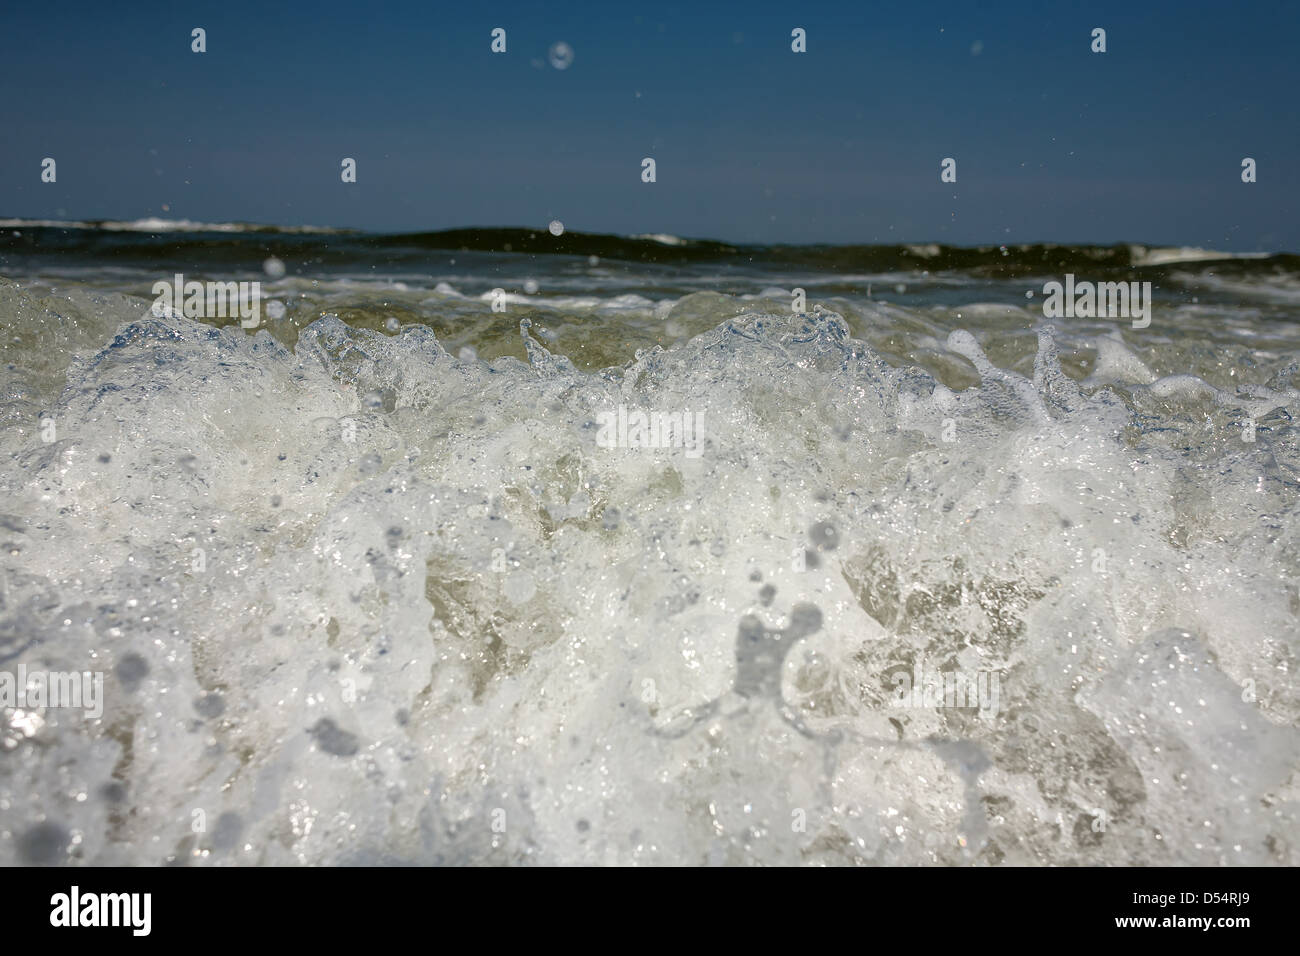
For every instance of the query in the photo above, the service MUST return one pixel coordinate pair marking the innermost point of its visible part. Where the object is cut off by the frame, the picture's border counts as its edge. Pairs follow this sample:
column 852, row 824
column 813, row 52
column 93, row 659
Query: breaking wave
column 373, row 592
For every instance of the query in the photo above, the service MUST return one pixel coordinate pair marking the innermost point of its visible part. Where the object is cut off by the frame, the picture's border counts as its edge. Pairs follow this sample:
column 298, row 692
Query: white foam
column 156, row 224
column 436, row 621
column 1164, row 255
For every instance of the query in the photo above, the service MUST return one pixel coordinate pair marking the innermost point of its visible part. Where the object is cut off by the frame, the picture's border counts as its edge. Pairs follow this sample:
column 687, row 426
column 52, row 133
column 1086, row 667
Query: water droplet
column 561, row 55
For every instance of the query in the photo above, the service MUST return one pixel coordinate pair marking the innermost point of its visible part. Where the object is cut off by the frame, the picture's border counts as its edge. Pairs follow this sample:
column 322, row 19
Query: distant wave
column 156, row 225
column 159, row 241
column 1143, row 256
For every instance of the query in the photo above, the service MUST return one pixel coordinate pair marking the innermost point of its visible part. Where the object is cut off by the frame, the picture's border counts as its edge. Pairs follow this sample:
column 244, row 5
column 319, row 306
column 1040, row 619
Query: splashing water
column 360, row 600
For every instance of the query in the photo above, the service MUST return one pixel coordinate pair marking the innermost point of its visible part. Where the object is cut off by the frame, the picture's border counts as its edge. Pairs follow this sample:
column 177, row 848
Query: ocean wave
column 364, row 596
column 1144, row 256
column 163, row 242
column 154, row 224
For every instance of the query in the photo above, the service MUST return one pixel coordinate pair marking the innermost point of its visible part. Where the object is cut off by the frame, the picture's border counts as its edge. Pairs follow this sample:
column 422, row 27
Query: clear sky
column 752, row 142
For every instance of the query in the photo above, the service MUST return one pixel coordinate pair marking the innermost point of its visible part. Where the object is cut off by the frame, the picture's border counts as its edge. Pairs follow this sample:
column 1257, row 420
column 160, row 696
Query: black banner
column 931, row 907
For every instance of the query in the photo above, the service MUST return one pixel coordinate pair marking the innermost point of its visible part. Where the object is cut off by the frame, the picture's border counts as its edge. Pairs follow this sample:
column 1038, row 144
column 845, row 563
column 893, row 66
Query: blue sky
column 752, row 142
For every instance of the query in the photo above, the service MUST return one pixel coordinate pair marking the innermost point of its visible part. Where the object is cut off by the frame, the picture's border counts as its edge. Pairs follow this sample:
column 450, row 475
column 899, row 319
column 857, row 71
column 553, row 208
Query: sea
column 531, row 546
